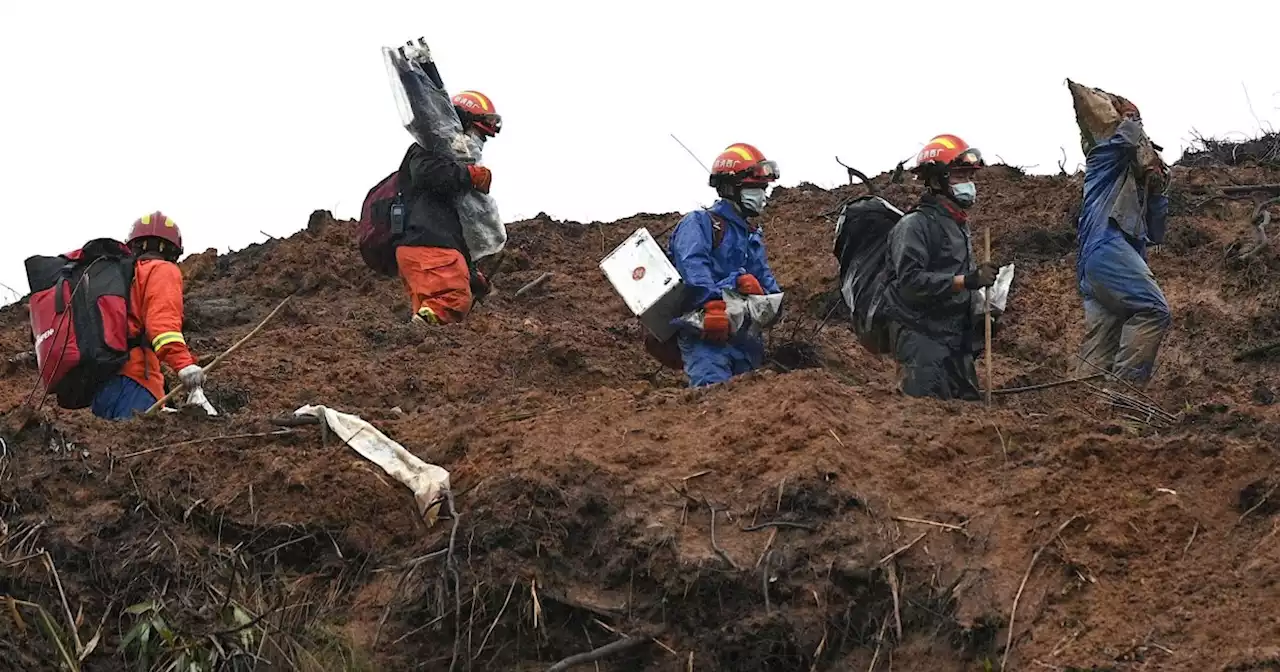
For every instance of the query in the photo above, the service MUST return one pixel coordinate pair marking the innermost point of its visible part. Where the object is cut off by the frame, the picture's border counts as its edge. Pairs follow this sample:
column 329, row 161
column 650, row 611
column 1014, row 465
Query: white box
column 645, row 279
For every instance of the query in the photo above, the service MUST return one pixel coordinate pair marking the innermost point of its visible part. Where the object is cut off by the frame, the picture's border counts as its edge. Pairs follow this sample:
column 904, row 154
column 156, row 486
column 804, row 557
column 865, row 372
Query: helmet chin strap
column 941, row 184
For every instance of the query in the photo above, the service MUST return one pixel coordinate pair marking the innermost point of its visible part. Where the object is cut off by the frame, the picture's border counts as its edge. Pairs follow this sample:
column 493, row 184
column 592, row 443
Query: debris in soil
column 1259, row 497
column 853, row 526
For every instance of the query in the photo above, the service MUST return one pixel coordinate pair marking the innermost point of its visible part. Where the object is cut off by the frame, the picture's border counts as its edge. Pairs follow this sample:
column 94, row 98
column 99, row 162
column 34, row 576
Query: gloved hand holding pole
column 218, row 360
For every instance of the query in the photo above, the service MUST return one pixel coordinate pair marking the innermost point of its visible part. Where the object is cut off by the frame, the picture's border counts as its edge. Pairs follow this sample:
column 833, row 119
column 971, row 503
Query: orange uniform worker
column 155, row 322
column 431, row 253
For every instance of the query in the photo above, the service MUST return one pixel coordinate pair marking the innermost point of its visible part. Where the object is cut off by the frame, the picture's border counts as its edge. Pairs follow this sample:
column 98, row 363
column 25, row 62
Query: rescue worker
column 718, row 249
column 432, row 255
column 155, row 323
column 1125, row 208
column 932, row 274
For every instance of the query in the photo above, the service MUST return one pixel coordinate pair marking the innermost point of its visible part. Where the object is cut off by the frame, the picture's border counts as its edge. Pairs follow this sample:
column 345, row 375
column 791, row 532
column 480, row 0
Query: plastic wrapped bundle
column 426, row 111
column 751, row 312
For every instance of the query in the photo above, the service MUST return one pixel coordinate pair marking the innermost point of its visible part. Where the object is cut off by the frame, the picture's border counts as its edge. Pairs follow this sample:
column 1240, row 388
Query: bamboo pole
column 218, row 360
column 986, row 310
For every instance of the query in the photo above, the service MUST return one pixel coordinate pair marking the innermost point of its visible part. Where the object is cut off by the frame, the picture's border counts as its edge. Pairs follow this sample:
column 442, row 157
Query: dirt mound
column 807, row 517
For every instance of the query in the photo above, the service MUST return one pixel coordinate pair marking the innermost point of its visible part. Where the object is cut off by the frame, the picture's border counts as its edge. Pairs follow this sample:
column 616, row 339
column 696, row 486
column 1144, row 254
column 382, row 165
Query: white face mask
column 965, row 193
column 753, row 200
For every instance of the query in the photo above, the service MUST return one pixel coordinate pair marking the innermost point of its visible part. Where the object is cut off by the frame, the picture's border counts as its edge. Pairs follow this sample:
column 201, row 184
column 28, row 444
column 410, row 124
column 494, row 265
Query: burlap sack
column 1098, row 114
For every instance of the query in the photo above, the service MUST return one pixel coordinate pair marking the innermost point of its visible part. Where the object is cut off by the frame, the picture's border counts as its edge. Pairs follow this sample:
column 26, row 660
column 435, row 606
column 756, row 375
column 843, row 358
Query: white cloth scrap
column 427, row 481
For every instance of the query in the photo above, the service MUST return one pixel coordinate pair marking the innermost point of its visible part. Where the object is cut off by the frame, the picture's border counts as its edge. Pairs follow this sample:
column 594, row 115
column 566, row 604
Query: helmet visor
column 765, row 171
column 969, row 158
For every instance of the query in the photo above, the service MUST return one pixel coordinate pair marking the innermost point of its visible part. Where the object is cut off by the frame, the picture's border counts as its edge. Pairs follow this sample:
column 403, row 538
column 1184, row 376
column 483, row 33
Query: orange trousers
column 438, row 282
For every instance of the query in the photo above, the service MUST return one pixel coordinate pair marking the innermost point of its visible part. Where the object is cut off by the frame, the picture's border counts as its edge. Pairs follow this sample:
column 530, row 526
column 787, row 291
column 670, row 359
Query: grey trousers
column 1121, row 341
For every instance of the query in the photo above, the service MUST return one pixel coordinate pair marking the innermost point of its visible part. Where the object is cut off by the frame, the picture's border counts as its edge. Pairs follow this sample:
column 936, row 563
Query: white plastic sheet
column 999, row 293
column 428, row 482
column 426, row 111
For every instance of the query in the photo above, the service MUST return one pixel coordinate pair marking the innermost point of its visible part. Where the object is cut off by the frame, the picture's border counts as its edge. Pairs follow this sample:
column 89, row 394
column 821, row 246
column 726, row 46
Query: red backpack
column 80, row 318
column 382, row 220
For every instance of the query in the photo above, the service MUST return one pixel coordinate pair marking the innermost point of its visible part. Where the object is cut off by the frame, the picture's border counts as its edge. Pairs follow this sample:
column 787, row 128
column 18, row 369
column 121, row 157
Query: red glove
column 480, row 287
column 747, row 284
column 715, row 323
column 481, row 178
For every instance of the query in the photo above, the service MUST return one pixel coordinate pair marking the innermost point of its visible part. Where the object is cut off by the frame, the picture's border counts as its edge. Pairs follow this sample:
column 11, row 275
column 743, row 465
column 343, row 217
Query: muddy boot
column 424, row 317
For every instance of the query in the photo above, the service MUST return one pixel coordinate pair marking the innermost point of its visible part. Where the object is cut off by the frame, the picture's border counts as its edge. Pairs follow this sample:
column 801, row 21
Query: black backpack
column 861, row 247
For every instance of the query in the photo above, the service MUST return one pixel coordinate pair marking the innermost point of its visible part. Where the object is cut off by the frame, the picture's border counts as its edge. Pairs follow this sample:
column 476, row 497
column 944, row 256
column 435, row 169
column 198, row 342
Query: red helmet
column 946, row 152
column 741, row 163
column 475, row 109
column 156, row 225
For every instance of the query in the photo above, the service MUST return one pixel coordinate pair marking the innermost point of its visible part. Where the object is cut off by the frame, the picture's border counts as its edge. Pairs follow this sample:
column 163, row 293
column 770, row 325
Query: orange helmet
column 475, row 109
column 945, row 152
column 156, row 225
column 741, row 164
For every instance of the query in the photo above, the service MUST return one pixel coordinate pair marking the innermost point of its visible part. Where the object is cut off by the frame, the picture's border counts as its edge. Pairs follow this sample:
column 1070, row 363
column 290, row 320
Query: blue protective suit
column 1126, row 315
column 706, row 272
column 120, row 397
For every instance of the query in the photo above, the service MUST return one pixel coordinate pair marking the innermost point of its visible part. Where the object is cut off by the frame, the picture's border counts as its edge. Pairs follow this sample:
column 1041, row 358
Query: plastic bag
column 426, row 111
column 753, row 312
column 999, row 293
column 861, row 247
column 196, row 398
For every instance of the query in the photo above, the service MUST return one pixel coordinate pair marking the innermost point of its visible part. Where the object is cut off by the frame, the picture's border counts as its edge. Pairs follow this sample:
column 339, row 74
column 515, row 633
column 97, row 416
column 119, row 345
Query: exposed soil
column 588, row 478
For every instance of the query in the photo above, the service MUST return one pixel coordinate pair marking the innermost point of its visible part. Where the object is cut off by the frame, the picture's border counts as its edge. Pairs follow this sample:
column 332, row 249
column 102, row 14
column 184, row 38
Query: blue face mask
column 753, row 200
column 965, row 193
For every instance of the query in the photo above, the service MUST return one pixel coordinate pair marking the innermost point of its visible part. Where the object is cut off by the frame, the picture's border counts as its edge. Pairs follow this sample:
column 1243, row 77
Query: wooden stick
column 1013, row 613
column 902, row 549
column 986, row 310
column 1046, row 386
column 536, row 281
column 212, row 365
column 945, row 526
column 597, row 654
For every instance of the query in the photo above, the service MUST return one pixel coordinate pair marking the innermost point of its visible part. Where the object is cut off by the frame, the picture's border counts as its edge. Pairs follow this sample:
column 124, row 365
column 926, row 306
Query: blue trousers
column 708, row 363
column 1125, row 313
column 120, row 397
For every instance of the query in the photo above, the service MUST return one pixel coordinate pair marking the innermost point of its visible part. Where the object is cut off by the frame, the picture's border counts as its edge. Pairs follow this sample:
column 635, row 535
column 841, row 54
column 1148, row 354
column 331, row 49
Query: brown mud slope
column 600, row 500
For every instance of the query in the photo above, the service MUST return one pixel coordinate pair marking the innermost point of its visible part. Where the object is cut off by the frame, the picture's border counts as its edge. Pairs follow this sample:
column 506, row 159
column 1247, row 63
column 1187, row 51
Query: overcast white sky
column 242, row 117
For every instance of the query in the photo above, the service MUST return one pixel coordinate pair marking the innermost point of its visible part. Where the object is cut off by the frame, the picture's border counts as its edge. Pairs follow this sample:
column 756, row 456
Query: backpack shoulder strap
column 717, row 228
column 403, row 185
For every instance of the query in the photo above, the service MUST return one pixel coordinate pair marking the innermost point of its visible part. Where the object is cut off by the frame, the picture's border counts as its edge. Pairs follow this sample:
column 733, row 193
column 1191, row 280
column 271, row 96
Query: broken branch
column 716, row 547
column 596, row 654
column 1249, row 188
column 207, row 439
column 533, row 285
column 780, row 523
column 902, row 550
column 1008, row 646
column 1046, row 386
column 945, row 526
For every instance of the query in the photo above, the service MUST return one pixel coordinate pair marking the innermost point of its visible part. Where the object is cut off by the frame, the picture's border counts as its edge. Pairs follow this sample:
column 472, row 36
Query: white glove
column 192, row 376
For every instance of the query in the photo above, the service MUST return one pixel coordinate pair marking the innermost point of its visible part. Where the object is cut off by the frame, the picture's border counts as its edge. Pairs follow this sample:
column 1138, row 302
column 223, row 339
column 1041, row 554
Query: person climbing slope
column 431, row 254
column 155, row 322
column 1125, row 209
column 932, row 274
column 721, row 248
